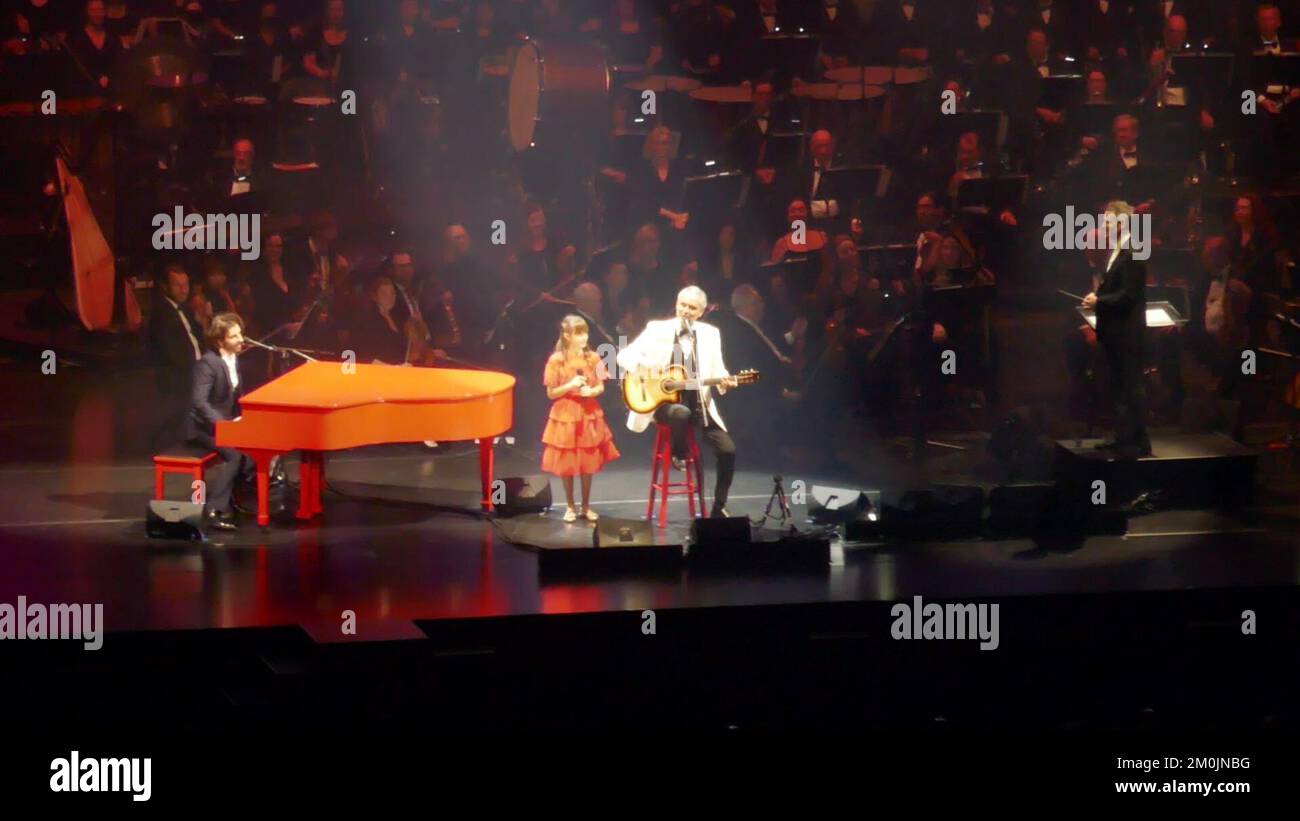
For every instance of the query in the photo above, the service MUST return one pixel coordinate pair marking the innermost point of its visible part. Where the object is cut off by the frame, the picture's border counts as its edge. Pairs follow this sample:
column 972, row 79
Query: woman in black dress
column 277, row 297
column 328, row 54
column 376, row 335
column 657, row 187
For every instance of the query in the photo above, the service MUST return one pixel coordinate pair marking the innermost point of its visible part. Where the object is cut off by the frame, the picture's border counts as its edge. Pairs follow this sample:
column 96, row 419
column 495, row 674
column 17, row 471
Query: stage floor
column 383, row 551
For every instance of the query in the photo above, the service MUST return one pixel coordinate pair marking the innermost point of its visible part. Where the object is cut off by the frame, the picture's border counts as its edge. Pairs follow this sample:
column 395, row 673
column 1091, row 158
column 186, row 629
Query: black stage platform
column 458, row 624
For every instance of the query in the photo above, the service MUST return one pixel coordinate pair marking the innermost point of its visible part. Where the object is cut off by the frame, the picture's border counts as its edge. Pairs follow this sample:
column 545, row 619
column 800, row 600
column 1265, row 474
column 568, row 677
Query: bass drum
column 559, row 95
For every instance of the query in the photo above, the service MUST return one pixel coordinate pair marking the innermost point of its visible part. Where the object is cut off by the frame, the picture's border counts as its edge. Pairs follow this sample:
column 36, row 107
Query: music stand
column 1160, row 314
column 888, row 262
column 859, row 181
column 713, row 196
column 799, row 272
column 1094, row 119
column 992, row 194
column 1275, row 72
column 1061, row 91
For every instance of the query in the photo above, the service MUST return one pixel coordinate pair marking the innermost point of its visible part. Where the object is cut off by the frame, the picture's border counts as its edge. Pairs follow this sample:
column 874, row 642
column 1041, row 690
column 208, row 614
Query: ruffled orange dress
column 578, row 440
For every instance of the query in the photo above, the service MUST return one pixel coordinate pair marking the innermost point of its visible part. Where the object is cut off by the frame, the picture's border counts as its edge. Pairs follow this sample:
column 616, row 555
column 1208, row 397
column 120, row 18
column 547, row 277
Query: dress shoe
column 216, row 521
column 238, row 507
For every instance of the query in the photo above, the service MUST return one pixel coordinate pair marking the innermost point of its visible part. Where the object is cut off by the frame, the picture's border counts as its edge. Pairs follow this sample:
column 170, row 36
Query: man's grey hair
column 744, row 296
column 694, row 293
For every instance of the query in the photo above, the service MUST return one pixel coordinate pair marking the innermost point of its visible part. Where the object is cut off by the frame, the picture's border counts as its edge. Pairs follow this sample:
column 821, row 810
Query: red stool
column 662, row 460
column 192, row 463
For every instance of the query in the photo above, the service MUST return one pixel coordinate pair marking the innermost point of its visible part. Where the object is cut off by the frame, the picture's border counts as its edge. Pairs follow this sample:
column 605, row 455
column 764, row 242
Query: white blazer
column 654, row 349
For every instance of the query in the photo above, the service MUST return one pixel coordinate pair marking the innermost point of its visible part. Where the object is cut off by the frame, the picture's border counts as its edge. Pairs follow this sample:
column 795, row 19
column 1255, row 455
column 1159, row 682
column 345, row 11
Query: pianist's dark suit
column 215, row 399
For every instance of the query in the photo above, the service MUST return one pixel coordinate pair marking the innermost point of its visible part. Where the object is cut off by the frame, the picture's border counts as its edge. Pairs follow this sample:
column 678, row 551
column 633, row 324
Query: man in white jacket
column 698, row 346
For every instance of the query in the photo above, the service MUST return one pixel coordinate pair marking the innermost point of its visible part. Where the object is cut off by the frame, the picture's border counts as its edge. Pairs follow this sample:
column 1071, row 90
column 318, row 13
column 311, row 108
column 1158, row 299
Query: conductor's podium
column 327, row 406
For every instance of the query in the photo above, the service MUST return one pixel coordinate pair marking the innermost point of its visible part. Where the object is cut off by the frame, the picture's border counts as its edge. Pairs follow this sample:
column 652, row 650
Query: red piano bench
column 193, row 463
column 661, row 465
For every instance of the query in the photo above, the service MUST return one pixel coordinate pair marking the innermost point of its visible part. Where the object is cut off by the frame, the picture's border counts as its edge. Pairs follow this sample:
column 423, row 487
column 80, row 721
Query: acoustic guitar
column 648, row 388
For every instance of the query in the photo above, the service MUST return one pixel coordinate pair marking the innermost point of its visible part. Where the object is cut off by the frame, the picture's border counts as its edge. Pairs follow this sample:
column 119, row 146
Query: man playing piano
column 215, row 397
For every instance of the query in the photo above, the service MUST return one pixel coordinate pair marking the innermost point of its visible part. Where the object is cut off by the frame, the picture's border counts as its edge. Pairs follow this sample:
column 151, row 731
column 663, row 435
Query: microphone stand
column 277, row 349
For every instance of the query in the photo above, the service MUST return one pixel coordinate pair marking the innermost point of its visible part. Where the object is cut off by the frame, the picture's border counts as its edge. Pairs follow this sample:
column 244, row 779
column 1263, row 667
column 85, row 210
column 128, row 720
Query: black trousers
column 221, row 478
column 1125, row 362
column 678, row 418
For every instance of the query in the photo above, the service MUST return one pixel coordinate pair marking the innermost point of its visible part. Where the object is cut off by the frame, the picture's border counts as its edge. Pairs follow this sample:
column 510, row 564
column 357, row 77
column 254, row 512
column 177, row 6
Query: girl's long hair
column 570, row 325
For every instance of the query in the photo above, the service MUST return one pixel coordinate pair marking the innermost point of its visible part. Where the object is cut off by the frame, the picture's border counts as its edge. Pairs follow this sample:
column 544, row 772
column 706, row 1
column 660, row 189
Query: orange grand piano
column 322, row 406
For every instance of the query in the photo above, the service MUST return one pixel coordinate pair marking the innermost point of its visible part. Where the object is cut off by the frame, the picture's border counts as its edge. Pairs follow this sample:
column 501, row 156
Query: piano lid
column 326, row 385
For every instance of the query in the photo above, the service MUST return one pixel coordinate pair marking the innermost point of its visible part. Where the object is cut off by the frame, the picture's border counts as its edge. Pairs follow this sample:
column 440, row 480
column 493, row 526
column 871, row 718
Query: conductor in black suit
column 1120, row 302
column 215, row 398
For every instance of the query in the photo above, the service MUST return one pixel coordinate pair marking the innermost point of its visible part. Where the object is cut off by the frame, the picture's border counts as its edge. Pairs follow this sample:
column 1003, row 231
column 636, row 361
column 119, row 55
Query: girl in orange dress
column 577, row 439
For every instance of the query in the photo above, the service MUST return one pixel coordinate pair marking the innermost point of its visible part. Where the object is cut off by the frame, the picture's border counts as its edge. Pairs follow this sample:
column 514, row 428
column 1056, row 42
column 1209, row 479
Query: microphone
column 262, row 345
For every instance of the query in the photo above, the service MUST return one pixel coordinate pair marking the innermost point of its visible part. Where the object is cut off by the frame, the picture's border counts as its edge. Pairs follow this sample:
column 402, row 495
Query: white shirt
column 1114, row 252
column 189, row 330
column 232, row 366
column 1214, row 314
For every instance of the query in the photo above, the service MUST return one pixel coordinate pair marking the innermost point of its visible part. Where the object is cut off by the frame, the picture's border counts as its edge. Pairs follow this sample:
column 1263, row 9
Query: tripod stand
column 779, row 498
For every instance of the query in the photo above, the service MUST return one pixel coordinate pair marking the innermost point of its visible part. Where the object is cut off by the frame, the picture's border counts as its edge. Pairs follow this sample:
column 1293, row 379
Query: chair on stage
column 193, row 462
column 663, row 485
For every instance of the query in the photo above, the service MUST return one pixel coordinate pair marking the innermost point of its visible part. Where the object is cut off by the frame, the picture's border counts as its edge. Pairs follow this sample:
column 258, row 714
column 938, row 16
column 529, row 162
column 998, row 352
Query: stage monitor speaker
column 174, row 520
column 1021, row 447
column 611, row 532
column 941, row 512
column 832, row 505
column 728, row 530
column 1021, row 509
column 526, row 494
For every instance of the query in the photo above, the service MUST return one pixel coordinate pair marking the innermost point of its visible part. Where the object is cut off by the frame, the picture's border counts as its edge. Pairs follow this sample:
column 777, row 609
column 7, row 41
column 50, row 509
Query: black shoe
column 216, row 521
column 239, row 508
column 1109, row 444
